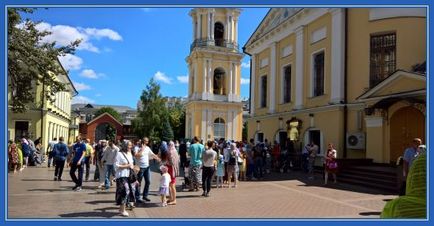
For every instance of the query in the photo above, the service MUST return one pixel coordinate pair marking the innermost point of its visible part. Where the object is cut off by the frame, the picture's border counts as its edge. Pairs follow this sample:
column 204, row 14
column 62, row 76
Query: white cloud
column 65, row 35
column 182, row 79
column 82, row 100
column 160, row 76
column 89, row 73
column 98, row 95
column 71, row 62
column 80, row 86
column 245, row 64
column 103, row 33
column 245, row 81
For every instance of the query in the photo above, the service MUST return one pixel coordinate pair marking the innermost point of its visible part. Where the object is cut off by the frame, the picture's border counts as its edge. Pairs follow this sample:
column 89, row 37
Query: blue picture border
column 197, row 3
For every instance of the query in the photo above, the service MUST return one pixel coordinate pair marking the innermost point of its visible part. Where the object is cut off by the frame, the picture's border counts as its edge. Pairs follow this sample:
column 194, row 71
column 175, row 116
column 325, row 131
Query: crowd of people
column 127, row 164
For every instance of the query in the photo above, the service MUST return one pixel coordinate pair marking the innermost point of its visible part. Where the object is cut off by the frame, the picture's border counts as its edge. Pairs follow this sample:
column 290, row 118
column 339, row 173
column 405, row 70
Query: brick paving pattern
column 33, row 194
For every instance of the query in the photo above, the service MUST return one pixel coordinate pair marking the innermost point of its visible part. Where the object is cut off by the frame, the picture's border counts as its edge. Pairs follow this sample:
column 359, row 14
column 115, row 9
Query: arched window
column 219, row 31
column 219, row 128
column 219, row 82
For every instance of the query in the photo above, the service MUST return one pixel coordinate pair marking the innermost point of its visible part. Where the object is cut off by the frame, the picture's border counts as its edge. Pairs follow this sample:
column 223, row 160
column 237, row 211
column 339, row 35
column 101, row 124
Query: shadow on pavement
column 97, row 202
column 49, row 189
column 42, row 179
column 103, row 212
column 370, row 213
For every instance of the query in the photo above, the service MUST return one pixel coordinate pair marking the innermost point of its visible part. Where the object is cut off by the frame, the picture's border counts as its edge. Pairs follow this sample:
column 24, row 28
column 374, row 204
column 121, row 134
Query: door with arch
column 405, row 124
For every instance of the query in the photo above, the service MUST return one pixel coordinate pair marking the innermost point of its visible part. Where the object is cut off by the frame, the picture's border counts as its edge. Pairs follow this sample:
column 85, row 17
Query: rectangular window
column 382, row 57
column 264, row 91
column 318, row 74
column 287, row 84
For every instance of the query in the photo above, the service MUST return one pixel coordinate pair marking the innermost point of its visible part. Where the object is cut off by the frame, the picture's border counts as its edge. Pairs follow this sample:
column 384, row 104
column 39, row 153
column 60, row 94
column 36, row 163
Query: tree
column 110, row 132
column 167, row 132
column 31, row 61
column 152, row 114
column 109, row 110
column 177, row 120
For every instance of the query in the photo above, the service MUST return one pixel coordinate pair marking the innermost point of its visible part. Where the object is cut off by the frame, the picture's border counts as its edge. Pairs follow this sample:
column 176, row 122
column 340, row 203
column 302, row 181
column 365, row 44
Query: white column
column 197, row 25
column 236, row 31
column 212, row 25
column 338, row 55
column 203, row 129
column 227, row 27
column 234, row 123
column 208, row 25
column 208, row 121
column 229, row 127
column 272, row 86
column 194, row 26
column 195, row 79
column 49, row 132
column 210, row 77
column 299, row 46
column 231, row 78
column 252, row 86
column 205, row 77
column 199, row 22
column 236, row 79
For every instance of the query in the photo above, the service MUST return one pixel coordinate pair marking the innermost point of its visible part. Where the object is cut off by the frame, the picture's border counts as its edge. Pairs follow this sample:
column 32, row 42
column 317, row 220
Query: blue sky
column 123, row 48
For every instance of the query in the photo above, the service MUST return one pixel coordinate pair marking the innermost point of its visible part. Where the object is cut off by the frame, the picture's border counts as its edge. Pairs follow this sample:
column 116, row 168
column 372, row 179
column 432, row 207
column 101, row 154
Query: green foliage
column 110, row 133
column 157, row 121
column 109, row 110
column 167, row 132
column 31, row 61
column 245, row 130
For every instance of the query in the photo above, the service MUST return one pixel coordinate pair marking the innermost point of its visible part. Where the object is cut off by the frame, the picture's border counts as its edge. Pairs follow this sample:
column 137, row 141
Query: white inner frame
column 261, row 92
column 282, row 81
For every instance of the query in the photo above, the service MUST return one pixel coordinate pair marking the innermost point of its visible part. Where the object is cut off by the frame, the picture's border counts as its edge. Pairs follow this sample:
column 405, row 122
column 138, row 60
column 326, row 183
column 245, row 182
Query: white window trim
column 264, row 62
column 282, row 83
column 321, row 134
column 289, row 53
column 318, row 35
column 312, row 57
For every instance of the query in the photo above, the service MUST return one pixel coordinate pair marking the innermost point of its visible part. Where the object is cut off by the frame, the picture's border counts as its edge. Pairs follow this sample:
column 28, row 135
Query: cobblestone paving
column 33, row 194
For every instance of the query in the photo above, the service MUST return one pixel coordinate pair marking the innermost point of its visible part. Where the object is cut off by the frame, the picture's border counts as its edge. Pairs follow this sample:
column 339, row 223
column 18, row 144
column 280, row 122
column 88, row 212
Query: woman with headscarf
column 13, row 157
column 172, row 164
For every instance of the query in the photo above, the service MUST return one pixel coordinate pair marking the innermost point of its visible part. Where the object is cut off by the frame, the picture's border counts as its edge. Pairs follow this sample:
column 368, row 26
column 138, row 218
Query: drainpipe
column 345, row 85
column 250, row 76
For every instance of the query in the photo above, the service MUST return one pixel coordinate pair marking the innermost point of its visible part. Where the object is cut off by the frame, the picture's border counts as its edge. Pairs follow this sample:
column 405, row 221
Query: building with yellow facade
column 214, row 107
column 43, row 118
column 354, row 77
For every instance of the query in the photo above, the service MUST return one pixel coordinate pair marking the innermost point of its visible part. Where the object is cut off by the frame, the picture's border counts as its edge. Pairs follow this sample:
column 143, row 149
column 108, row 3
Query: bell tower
column 214, row 108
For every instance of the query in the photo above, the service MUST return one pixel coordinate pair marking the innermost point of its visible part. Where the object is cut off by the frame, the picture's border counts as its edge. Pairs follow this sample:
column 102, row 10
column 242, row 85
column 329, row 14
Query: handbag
column 133, row 176
column 332, row 165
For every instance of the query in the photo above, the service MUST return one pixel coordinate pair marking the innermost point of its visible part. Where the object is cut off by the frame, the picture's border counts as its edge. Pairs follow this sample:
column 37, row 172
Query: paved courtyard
column 33, row 194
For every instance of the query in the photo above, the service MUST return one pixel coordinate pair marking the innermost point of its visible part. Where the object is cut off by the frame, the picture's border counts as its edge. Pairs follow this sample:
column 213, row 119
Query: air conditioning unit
column 356, row 140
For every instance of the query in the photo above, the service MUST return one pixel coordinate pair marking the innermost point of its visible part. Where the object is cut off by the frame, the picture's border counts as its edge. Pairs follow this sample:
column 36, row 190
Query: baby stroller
column 34, row 158
column 187, row 183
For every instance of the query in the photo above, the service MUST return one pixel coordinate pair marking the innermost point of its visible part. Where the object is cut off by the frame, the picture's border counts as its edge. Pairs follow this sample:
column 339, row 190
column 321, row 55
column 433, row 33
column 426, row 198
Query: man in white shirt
column 49, row 150
column 108, row 160
column 142, row 160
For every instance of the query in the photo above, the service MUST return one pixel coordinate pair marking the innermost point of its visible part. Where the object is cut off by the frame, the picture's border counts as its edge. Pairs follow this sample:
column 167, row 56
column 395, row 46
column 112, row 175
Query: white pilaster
column 338, row 55
column 209, row 121
column 229, row 125
column 236, row 31
column 194, row 26
column 299, row 46
column 208, row 25
column 210, row 77
column 231, row 78
column 227, row 27
column 204, row 79
column 200, row 25
column 252, row 86
column 212, row 25
column 197, row 25
column 272, row 86
column 195, row 80
column 234, row 120
column 203, row 127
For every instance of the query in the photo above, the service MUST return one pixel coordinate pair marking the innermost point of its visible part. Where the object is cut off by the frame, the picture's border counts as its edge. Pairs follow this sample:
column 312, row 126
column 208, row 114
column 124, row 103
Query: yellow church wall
column 281, row 63
column 410, row 45
column 310, row 50
column 356, row 123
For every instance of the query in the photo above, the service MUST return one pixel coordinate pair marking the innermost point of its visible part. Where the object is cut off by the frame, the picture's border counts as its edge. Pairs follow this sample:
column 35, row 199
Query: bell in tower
column 214, row 108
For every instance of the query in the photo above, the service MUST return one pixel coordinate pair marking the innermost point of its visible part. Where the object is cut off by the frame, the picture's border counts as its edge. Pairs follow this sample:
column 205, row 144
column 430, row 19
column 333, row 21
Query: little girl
column 220, row 171
column 164, row 184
